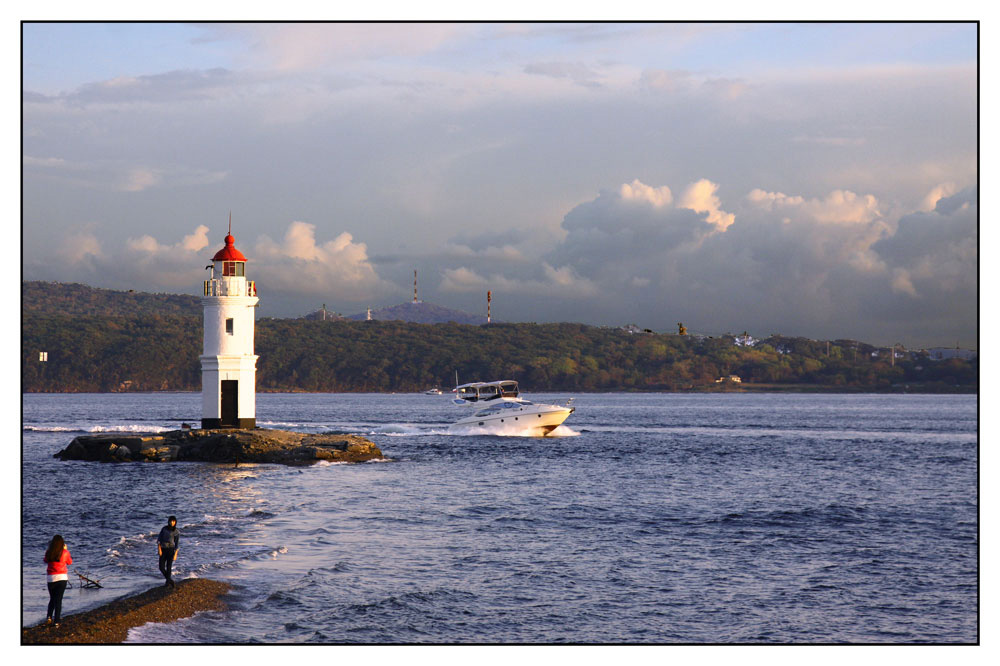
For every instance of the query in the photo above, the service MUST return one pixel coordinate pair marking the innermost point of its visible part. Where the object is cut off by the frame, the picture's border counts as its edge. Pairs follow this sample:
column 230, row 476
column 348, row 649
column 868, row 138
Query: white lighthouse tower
column 228, row 364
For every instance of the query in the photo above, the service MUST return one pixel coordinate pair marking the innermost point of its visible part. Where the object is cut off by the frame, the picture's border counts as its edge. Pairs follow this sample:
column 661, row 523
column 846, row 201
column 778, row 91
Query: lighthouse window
column 232, row 268
column 229, row 326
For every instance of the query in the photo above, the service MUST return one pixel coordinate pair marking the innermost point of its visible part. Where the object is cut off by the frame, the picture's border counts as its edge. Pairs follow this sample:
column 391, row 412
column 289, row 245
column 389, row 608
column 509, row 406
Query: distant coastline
column 78, row 339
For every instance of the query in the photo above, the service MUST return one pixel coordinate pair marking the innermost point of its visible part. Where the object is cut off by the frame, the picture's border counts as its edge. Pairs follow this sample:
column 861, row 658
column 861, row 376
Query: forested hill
column 80, row 299
column 151, row 349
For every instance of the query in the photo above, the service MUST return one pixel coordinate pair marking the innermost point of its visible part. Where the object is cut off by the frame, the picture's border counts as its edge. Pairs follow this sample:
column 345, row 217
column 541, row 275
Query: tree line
column 159, row 352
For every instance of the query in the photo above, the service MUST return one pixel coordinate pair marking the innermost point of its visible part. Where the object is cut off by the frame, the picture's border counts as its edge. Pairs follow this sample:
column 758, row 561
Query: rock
column 256, row 445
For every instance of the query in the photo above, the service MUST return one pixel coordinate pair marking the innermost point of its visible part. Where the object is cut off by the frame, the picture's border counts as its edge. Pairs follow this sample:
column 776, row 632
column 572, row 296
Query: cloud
column 172, row 87
column 938, row 193
column 902, row 283
column 79, row 247
column 546, row 281
column 291, row 47
column 639, row 191
column 574, row 71
column 615, row 238
column 935, row 254
column 193, row 242
column 139, row 179
column 664, row 80
column 779, row 263
column 700, row 197
column 838, row 207
column 339, row 267
column 120, row 175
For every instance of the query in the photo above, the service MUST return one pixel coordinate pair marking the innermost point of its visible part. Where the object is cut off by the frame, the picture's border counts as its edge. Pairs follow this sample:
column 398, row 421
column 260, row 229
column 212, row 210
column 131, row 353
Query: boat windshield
column 488, row 391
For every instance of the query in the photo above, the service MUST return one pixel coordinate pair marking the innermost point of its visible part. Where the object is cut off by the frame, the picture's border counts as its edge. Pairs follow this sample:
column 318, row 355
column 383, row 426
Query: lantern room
column 230, row 262
column 229, row 273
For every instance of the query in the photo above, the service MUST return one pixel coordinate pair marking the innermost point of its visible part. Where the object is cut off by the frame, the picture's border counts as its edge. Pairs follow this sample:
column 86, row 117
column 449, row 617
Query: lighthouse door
column 230, row 403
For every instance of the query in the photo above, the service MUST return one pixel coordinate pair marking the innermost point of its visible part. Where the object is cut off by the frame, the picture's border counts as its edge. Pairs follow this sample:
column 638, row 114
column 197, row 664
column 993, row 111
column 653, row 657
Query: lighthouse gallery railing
column 223, row 288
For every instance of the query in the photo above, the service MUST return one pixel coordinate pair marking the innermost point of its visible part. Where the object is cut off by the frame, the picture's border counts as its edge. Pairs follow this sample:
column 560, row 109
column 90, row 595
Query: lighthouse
column 228, row 364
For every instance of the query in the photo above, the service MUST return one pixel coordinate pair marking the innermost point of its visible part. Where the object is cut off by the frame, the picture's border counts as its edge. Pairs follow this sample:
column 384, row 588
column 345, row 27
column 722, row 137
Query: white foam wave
column 123, row 427
column 128, row 428
column 279, row 424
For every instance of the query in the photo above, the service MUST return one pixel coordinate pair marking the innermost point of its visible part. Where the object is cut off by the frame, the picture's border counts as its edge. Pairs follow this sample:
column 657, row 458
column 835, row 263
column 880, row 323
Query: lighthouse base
column 242, row 424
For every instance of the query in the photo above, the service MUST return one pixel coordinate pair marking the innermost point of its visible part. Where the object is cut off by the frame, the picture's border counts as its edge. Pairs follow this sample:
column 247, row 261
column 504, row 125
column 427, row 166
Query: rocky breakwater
column 259, row 445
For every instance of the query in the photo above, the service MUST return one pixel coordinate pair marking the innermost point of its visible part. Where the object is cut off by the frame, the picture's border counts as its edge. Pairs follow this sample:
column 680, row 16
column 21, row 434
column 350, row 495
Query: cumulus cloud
column 626, row 234
column 700, row 197
column 193, row 242
column 300, row 264
column 838, row 207
column 936, row 253
column 639, row 191
column 79, row 247
column 938, row 193
column 779, row 263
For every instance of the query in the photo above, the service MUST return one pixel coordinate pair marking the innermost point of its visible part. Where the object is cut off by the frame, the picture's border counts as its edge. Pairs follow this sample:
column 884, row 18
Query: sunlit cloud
column 300, row 264
column 700, row 197
column 639, row 191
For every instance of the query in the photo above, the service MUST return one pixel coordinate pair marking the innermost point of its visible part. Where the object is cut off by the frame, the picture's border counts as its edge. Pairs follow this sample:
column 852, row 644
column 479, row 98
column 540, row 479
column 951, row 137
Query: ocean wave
column 128, row 427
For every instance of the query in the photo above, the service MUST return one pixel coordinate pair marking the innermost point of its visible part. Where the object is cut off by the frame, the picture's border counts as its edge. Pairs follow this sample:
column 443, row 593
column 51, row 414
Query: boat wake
column 410, row 430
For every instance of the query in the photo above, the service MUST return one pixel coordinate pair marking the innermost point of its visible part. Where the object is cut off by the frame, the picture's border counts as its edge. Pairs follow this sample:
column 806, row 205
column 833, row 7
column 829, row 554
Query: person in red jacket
column 57, row 558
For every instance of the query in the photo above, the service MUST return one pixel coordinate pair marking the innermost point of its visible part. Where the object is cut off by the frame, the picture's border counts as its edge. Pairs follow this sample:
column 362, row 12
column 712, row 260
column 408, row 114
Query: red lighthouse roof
column 229, row 253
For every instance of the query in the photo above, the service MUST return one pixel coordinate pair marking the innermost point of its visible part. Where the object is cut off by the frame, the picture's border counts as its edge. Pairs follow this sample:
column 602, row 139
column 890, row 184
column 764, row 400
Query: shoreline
column 111, row 622
column 747, row 387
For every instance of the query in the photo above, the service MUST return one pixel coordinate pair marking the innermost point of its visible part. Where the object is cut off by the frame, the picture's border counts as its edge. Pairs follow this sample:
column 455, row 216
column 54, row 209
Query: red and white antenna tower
column 489, row 297
column 414, row 285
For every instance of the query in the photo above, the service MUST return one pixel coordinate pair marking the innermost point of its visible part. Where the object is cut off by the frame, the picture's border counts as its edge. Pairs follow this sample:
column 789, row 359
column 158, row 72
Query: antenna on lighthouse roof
column 230, row 223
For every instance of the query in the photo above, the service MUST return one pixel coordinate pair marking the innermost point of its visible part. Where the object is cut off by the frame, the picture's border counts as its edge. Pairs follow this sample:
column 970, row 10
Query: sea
column 649, row 518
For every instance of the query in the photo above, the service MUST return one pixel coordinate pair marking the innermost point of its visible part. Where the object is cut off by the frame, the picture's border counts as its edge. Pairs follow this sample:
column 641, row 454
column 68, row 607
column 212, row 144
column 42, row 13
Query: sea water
column 654, row 518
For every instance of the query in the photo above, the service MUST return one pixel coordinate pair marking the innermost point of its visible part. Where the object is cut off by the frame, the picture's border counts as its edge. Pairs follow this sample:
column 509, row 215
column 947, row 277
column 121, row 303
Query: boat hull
column 538, row 421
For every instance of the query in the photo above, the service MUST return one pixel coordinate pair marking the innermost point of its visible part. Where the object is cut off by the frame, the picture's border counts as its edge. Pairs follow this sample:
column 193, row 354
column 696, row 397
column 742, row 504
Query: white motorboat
column 433, row 391
column 499, row 409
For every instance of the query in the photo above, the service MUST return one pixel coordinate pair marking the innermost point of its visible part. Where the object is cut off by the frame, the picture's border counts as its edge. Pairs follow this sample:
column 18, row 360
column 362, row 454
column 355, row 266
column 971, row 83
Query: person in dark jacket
column 57, row 558
column 167, row 545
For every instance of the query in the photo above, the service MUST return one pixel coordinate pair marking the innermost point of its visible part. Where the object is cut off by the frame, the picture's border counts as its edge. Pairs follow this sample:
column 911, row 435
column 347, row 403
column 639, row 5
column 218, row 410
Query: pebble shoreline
column 110, row 623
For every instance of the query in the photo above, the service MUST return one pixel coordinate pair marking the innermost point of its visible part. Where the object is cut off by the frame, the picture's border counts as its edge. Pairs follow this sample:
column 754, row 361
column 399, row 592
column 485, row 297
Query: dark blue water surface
column 656, row 518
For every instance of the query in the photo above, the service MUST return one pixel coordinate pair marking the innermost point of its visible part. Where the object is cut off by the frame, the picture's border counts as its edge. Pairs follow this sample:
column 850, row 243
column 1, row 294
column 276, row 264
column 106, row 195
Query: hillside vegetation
column 153, row 351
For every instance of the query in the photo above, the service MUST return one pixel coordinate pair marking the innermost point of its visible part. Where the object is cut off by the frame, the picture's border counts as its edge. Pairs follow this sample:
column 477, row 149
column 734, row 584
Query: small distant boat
column 501, row 410
column 433, row 391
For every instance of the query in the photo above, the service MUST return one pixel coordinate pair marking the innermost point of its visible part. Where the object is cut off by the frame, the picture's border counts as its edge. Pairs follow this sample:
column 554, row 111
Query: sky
column 807, row 179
